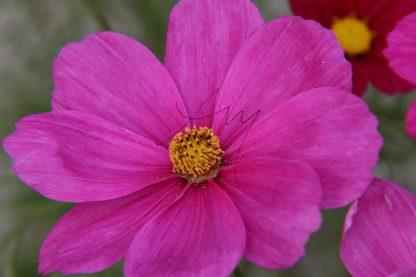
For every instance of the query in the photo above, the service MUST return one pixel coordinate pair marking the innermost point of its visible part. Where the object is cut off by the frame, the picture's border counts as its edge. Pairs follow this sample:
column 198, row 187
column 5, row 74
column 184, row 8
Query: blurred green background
column 31, row 34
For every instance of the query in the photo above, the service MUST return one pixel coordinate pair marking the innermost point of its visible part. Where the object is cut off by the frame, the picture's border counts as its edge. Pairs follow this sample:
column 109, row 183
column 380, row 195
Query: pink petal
column 115, row 77
column 411, row 120
column 278, row 201
column 203, row 38
column 274, row 65
column 323, row 11
column 404, row 273
column 384, row 78
column 401, row 50
column 360, row 78
column 200, row 235
column 76, row 157
column 329, row 129
column 384, row 14
column 380, row 237
column 93, row 236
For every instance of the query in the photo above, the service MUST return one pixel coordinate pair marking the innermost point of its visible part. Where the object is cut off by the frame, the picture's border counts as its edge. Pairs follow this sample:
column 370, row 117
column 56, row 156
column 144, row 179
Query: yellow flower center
column 196, row 154
column 353, row 34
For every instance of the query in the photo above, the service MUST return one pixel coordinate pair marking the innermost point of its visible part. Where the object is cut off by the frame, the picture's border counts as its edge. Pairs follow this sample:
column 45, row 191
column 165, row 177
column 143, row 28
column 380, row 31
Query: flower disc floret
column 353, row 35
column 196, row 154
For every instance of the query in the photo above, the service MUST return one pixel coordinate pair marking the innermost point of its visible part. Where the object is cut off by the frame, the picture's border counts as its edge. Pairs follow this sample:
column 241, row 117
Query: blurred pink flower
column 379, row 232
column 291, row 139
column 361, row 28
column 401, row 54
column 401, row 48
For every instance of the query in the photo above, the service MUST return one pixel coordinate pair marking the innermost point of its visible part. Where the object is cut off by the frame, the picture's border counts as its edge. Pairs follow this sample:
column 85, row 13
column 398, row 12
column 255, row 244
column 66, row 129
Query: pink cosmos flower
column 379, row 232
column 272, row 134
column 401, row 54
column 361, row 28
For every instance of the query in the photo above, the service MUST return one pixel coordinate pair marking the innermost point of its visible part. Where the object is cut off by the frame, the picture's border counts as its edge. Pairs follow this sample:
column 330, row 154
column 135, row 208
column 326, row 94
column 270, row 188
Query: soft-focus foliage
column 32, row 32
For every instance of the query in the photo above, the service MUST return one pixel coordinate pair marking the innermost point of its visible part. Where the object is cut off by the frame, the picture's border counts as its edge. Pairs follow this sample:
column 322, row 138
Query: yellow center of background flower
column 196, row 154
column 353, row 35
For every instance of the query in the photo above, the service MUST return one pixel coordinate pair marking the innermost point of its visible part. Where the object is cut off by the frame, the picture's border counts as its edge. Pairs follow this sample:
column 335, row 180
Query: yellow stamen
column 196, row 154
column 353, row 35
